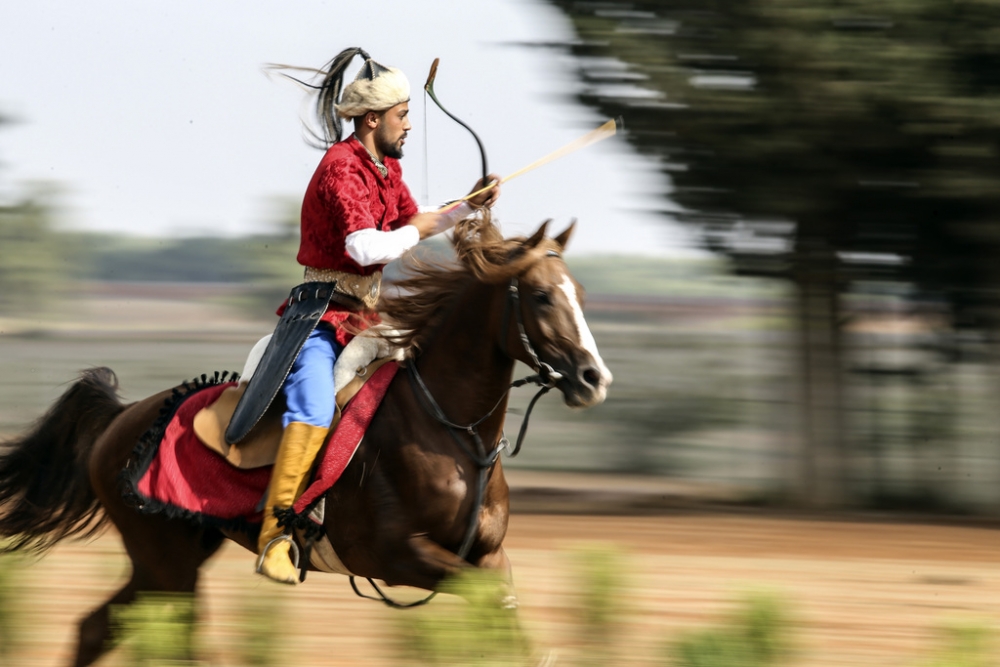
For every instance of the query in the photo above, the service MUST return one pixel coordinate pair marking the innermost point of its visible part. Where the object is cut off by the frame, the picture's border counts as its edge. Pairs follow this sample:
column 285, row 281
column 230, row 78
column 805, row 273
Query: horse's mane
column 421, row 299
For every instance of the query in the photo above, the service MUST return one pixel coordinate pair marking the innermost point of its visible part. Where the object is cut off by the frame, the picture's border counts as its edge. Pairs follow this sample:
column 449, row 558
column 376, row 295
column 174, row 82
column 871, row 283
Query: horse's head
column 535, row 313
column 546, row 328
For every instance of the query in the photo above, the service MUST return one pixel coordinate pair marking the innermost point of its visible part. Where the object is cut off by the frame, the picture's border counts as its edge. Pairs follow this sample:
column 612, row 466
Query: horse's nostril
column 591, row 377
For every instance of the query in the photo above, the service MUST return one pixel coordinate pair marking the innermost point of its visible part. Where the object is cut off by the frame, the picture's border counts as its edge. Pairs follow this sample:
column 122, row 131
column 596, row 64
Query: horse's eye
column 542, row 298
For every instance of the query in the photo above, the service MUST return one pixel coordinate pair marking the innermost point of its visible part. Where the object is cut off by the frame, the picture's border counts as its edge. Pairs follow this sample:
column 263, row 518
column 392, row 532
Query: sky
column 157, row 118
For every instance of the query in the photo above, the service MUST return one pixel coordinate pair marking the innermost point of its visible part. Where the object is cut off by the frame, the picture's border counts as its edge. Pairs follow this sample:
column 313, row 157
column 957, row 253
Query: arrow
column 606, row 130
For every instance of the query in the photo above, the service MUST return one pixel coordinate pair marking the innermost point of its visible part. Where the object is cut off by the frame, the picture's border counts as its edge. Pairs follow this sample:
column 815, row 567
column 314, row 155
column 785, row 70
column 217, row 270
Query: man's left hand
column 488, row 198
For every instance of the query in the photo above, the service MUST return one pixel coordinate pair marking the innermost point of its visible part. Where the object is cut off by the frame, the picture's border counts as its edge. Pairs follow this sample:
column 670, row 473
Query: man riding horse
column 357, row 215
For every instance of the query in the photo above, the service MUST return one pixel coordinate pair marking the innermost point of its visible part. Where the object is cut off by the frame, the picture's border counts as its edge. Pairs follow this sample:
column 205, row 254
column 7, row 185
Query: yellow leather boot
column 299, row 445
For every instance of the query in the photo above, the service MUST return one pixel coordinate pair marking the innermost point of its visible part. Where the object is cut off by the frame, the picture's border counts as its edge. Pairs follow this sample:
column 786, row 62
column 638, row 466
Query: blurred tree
column 34, row 258
column 260, row 258
column 264, row 263
column 823, row 143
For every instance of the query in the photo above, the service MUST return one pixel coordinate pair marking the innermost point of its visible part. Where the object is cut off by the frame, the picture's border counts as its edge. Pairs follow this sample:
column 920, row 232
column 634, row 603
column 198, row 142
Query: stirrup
column 267, row 547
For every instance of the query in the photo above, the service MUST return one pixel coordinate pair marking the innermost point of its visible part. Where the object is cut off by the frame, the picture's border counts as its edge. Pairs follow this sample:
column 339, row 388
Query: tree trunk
column 823, row 456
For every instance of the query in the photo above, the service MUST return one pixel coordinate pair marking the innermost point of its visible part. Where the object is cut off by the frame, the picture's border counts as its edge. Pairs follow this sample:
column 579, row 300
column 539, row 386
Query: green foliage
column 599, row 604
column 261, row 626
column 263, row 263
column 39, row 264
column 841, row 145
column 33, row 256
column 690, row 278
column 793, row 131
column 158, row 629
column 965, row 645
column 477, row 631
column 756, row 636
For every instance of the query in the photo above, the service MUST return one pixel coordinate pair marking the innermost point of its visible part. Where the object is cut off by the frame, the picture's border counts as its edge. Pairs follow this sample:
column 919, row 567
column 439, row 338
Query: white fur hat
column 375, row 88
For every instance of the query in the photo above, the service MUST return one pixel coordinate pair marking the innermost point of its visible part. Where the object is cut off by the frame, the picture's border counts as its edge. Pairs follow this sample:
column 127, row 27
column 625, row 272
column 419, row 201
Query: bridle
column 546, row 378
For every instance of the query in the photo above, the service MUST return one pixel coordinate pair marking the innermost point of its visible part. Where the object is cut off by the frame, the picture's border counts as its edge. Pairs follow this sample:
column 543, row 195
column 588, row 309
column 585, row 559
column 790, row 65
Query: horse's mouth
column 588, row 388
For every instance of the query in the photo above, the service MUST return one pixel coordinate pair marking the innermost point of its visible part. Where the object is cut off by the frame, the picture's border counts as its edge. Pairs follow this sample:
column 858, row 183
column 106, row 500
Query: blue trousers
column 308, row 389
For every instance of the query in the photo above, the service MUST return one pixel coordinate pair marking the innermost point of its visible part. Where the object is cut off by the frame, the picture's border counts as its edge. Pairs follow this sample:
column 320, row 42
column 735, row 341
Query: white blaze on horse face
column 586, row 341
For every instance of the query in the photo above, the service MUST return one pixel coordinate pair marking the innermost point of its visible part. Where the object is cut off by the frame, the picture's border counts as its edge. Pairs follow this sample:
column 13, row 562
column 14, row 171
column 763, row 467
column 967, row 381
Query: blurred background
column 790, row 255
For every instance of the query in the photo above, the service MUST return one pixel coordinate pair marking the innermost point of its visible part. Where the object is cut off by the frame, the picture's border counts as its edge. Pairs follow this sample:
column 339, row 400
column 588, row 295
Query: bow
column 429, row 89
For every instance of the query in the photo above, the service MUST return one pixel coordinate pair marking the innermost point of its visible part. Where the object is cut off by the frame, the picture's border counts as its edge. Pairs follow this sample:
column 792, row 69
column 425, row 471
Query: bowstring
column 427, row 177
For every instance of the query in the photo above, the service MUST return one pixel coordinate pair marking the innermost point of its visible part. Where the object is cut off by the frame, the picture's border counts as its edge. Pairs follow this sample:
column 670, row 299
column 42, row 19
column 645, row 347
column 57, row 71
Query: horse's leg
column 94, row 632
column 165, row 553
column 498, row 561
column 434, row 563
column 429, row 564
column 166, row 557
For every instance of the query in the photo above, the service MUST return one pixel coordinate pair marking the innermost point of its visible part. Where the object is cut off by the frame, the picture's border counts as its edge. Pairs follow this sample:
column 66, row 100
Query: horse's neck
column 462, row 362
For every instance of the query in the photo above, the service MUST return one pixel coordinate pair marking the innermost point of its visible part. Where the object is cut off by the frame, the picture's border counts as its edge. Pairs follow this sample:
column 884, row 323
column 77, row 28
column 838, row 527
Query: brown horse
column 424, row 496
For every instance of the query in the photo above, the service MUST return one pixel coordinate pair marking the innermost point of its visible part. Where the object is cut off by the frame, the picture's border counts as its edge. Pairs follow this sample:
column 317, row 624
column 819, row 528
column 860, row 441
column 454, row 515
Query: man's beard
column 388, row 149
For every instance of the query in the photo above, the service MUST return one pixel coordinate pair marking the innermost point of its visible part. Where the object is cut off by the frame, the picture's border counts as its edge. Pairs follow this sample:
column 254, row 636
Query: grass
column 158, row 629
column 600, row 610
column 12, row 607
column 261, row 630
column 478, row 632
column 964, row 645
column 474, row 630
column 756, row 635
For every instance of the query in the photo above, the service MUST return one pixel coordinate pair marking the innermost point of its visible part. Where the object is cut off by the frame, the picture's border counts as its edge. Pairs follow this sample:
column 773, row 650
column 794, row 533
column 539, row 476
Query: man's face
column 391, row 131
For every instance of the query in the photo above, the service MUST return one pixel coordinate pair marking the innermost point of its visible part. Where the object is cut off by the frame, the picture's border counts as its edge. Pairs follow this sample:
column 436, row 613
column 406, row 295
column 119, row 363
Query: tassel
column 329, row 94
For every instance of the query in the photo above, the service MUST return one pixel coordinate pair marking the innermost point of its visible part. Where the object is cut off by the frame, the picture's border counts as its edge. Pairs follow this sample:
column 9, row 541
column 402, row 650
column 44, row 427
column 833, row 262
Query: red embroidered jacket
column 347, row 194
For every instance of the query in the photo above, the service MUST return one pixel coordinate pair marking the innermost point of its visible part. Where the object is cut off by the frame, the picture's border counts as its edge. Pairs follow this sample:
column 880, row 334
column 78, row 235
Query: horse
column 424, row 497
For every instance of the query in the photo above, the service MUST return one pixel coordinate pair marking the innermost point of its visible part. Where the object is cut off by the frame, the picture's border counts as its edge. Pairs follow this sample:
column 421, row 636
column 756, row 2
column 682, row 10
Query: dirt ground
column 863, row 590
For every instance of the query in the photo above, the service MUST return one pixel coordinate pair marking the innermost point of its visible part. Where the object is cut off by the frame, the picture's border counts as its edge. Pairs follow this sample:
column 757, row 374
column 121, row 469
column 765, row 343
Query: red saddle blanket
column 182, row 477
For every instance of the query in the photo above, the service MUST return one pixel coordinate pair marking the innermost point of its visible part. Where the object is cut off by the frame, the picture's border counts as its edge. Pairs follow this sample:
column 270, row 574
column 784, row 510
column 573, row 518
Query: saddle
column 358, row 362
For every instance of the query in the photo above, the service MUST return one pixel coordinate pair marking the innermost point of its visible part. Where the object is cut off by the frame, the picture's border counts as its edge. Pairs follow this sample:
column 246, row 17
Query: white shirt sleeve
column 371, row 246
column 451, row 218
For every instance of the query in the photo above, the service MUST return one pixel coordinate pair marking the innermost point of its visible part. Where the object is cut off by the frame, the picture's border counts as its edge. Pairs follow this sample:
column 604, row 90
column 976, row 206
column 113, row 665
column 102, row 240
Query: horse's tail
column 45, row 491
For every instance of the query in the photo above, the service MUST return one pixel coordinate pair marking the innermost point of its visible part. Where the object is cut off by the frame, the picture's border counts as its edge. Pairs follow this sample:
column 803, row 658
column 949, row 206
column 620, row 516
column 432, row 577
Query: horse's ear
column 563, row 238
column 537, row 237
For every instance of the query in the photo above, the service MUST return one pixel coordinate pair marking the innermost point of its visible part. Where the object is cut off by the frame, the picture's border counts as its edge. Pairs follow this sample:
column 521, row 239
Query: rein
column 546, row 379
